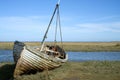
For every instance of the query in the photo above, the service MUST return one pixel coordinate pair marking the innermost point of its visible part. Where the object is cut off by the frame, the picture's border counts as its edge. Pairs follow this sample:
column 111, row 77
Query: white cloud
column 26, row 23
column 34, row 27
column 106, row 18
column 100, row 27
column 30, row 26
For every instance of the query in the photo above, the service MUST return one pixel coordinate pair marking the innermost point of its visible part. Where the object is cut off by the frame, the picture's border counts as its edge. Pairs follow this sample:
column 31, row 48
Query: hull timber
column 30, row 60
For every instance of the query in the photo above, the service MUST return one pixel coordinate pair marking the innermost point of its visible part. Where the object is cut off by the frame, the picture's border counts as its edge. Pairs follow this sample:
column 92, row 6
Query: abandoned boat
column 31, row 59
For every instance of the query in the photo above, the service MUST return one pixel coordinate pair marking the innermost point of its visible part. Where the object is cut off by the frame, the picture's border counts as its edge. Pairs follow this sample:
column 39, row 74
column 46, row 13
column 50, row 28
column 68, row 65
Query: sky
column 81, row 20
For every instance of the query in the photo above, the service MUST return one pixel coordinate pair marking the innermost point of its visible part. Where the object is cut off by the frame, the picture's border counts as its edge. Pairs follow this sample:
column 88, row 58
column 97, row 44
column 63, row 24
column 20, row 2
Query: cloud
column 26, row 28
column 100, row 27
column 33, row 28
column 26, row 23
column 23, row 27
column 106, row 18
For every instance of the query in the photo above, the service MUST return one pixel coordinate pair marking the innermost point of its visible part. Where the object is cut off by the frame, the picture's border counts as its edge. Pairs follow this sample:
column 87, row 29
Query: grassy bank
column 74, row 46
column 91, row 70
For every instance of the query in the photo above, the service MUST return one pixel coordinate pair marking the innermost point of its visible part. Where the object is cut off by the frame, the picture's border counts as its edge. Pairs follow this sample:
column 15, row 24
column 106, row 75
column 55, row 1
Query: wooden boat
column 31, row 59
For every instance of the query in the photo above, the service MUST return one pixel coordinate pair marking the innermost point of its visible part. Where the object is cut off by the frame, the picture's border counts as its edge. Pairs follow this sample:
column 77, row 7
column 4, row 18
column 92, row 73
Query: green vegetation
column 74, row 46
column 91, row 70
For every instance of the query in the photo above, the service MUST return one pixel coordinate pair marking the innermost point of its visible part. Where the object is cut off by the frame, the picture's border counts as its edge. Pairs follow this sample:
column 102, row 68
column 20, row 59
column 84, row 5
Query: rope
column 57, row 20
column 58, row 24
column 55, row 41
column 45, row 36
column 60, row 28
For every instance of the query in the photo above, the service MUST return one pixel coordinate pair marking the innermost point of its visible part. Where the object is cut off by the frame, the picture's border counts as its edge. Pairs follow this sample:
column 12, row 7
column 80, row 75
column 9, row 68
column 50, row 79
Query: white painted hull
column 30, row 60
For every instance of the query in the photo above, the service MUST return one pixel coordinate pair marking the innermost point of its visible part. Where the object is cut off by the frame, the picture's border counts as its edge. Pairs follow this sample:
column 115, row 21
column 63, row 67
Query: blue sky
column 81, row 20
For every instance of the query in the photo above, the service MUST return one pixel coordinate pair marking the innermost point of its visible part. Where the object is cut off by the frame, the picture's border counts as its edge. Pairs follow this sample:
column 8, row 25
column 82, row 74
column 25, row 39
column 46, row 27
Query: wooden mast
column 45, row 36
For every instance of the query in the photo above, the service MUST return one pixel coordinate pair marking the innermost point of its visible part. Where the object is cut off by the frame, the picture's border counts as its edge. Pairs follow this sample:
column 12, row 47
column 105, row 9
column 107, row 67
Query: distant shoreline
column 74, row 46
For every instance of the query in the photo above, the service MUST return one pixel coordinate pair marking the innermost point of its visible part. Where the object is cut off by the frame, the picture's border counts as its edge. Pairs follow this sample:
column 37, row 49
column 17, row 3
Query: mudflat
column 90, row 70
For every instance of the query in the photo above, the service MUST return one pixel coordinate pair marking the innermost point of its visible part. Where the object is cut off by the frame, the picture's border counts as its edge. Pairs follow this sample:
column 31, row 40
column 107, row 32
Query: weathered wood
column 29, row 59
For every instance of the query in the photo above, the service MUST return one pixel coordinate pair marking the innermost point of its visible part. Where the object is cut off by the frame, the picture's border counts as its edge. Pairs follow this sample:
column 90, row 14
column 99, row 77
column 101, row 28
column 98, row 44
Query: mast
column 58, row 2
column 45, row 36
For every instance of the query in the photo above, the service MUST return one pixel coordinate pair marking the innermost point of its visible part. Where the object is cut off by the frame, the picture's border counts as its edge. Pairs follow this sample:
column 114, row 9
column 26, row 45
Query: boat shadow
column 6, row 71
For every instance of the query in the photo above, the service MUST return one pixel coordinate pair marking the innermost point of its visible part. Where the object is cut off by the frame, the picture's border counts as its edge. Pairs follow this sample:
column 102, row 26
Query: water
column 98, row 56
column 7, row 56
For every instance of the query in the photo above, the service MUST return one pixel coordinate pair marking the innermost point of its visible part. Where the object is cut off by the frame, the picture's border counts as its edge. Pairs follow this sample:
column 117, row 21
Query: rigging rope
column 45, row 36
column 58, row 24
column 60, row 28
column 55, row 41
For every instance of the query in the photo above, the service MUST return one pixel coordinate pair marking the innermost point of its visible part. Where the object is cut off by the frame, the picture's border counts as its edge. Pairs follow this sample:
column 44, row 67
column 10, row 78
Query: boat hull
column 30, row 61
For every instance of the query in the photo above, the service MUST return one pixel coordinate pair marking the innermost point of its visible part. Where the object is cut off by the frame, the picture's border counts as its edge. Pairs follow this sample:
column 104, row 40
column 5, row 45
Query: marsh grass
column 91, row 46
column 74, row 46
column 90, row 70
column 6, row 45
